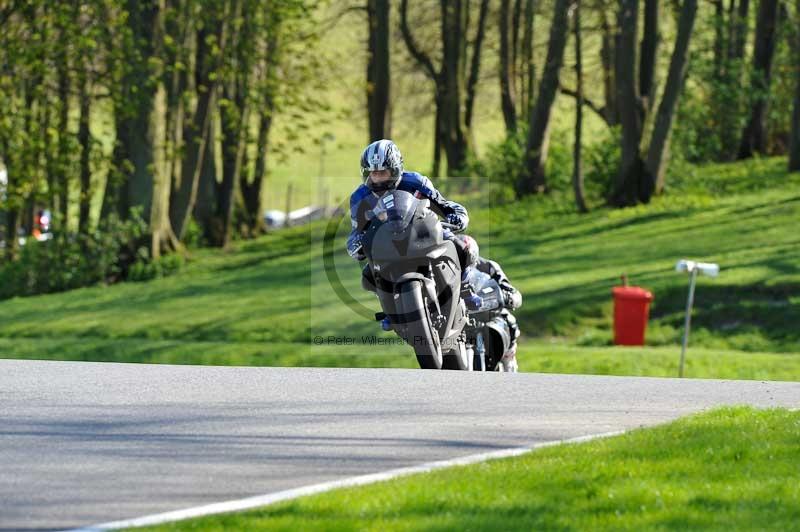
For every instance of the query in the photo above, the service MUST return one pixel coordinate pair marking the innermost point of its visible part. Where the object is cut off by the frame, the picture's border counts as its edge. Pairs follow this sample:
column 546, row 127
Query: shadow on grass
column 761, row 313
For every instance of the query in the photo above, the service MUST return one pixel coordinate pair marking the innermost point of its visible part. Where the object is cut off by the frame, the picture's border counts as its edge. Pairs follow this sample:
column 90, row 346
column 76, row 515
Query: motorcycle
column 488, row 331
column 418, row 282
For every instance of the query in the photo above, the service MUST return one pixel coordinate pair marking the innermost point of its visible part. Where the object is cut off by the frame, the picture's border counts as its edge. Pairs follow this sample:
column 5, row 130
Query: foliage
column 145, row 270
column 712, row 112
column 503, row 161
column 601, row 163
column 112, row 252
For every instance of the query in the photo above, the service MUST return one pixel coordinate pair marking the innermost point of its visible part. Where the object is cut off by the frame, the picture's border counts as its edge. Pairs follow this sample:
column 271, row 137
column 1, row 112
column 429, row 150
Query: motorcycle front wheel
column 457, row 358
column 419, row 331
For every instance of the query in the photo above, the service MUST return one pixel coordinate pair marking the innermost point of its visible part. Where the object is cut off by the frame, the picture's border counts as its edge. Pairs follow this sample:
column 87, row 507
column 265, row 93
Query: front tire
column 419, row 331
column 457, row 358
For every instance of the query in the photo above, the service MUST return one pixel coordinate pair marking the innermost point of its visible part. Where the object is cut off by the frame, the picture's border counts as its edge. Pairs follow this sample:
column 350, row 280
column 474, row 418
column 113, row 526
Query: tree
column 378, row 70
column 26, row 52
column 638, row 179
column 141, row 178
column 532, row 180
column 454, row 83
column 607, row 111
column 516, row 71
column 754, row 135
column 656, row 153
column 730, row 36
column 577, row 171
column 794, row 145
column 266, row 85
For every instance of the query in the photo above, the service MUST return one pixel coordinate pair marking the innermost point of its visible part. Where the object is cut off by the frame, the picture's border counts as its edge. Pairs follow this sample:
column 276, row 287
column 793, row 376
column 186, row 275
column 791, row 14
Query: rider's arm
column 354, row 239
column 354, row 248
column 455, row 213
column 512, row 297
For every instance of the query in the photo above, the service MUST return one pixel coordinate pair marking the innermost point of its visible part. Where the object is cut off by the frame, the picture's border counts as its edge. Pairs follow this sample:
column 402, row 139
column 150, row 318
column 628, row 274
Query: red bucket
column 631, row 311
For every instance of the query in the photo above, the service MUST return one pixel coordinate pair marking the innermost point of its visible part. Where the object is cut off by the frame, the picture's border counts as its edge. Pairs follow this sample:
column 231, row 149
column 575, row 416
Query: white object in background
column 692, row 268
column 706, row 268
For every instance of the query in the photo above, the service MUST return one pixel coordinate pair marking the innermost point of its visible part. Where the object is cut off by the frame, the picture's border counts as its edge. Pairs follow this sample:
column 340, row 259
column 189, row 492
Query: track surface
column 84, row 443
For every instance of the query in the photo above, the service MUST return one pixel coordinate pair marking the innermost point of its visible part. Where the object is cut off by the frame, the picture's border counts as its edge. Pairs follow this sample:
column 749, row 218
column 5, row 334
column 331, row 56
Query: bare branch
column 600, row 111
column 420, row 56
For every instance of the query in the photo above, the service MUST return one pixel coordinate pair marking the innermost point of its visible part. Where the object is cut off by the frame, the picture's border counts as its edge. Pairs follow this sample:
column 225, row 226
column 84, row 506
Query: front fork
column 480, row 353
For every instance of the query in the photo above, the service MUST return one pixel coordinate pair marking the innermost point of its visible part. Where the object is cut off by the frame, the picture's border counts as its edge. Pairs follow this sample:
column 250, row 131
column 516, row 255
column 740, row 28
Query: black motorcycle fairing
column 395, row 209
column 404, row 242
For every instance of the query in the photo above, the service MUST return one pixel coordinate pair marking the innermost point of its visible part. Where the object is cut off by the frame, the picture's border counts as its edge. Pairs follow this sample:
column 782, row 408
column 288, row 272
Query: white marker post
column 692, row 268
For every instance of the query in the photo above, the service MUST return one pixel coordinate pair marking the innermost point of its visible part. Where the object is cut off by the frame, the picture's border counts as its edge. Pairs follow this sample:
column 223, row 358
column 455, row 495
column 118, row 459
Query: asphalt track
column 84, row 443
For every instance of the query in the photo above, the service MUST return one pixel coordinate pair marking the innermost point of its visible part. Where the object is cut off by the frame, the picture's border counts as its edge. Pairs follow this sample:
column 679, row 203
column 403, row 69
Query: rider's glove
column 354, row 247
column 457, row 221
column 512, row 299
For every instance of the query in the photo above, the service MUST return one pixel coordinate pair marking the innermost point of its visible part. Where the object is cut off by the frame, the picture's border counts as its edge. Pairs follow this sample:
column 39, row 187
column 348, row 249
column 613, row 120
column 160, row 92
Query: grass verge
column 264, row 301
column 727, row 469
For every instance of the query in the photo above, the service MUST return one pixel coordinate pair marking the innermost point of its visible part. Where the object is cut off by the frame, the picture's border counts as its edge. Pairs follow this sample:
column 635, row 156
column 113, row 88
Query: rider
column 382, row 170
column 512, row 299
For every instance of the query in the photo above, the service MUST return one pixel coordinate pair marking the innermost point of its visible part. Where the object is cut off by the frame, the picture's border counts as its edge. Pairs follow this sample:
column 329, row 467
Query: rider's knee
column 513, row 327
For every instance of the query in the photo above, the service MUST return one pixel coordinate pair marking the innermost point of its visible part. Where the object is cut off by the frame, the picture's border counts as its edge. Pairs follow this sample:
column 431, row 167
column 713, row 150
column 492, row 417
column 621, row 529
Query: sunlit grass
column 265, row 301
column 728, row 469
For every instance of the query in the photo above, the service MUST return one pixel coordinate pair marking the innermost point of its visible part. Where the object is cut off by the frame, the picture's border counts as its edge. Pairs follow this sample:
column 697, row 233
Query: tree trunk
column 62, row 181
column 754, row 136
column 182, row 30
column 142, row 17
column 452, row 119
column 533, row 180
column 627, row 185
column 162, row 237
column 608, row 60
column 506, row 70
column 649, row 52
column 12, row 228
column 251, row 191
column 449, row 80
column 516, row 18
column 234, row 138
column 728, row 101
column 669, row 101
column 85, row 141
column 719, row 40
column 794, row 145
column 577, row 170
column 47, row 132
column 528, row 72
column 195, row 135
column 378, row 71
column 209, row 177
column 131, row 185
column 437, row 140
column 475, row 65
column 740, row 31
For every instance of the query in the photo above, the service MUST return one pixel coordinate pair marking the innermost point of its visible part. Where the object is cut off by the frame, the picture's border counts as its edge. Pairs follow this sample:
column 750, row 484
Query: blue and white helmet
column 382, row 155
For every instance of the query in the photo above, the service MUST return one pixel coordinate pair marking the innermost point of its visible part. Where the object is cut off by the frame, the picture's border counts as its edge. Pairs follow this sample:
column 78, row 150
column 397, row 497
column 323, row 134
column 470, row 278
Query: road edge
column 258, row 501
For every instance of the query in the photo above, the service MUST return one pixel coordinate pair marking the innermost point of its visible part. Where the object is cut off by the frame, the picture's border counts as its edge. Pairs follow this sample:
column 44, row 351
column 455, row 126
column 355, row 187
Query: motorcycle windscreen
column 395, row 209
column 488, row 290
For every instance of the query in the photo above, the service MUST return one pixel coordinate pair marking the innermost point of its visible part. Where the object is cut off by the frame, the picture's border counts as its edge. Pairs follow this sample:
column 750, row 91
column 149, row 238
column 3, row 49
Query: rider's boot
column 509, row 361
